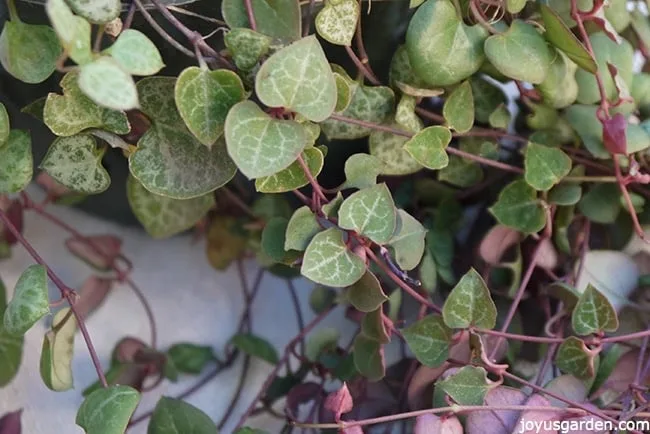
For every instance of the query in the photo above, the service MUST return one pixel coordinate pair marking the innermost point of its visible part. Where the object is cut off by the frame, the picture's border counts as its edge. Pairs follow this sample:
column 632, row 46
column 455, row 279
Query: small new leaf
column 593, row 313
column 459, row 108
column 429, row 339
column 256, row 347
column 470, row 304
column 518, row 207
column 135, row 53
column 573, row 357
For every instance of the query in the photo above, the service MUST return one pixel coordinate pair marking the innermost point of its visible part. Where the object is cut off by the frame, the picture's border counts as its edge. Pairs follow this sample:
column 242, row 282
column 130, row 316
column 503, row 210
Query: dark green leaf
column 429, row 339
column 369, row 358
column 108, row 410
column 256, row 347
column 366, row 294
column 573, row 357
column 519, row 208
column 173, row 416
column 190, row 358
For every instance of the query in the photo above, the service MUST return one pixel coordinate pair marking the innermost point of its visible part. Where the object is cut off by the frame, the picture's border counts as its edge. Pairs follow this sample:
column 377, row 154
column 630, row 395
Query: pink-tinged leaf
column 10, row 422
column 133, row 375
column 126, row 349
column 302, row 394
column 566, row 386
column 603, row 23
column 52, row 187
column 622, row 375
column 496, row 243
column 432, row 424
column 339, row 402
column 536, row 418
column 92, row 293
column 496, row 422
column 614, row 137
column 352, row 430
column 588, row 420
column 547, row 257
column 99, row 251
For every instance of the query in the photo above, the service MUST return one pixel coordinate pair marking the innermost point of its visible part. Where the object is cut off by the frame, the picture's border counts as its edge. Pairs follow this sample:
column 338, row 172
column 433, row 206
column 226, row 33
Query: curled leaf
column 339, row 402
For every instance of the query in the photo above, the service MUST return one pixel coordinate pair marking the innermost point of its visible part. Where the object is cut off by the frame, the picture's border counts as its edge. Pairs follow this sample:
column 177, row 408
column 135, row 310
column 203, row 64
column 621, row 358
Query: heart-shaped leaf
column 73, row 31
column 468, row 386
column 368, row 356
column 405, row 115
column 328, row 260
column 573, row 357
column 606, row 51
column 135, row 53
column 545, row 166
column 108, row 85
column 443, row 50
column 108, row 410
column 361, row 171
column 389, row 149
column 11, row 347
column 76, row 163
column 428, row 147
column 164, row 216
column 260, row 145
column 565, row 194
column 29, row 52
column 203, row 98
column 301, row 229
column 299, row 78
column 408, row 241
column 56, row 355
column 593, row 313
column 256, row 347
column 370, row 212
column 246, row 46
column 470, row 303
column 293, row 177
column 459, row 108
column 601, row 203
column 560, row 88
column 278, row 18
column 29, row 302
column 366, row 294
column 96, row 11
column 558, row 34
column 520, row 53
column 461, row 172
column 73, row 112
column 190, row 358
column 337, row 21
column 175, row 416
column 373, row 326
column 519, row 208
column 17, row 163
column 429, row 339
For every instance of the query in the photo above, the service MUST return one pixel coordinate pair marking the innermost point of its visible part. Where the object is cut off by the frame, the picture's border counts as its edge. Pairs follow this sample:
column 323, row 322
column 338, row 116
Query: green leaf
column 301, row 229
column 135, row 53
column 370, row 212
column 366, row 294
column 468, row 386
column 343, row 92
column 593, row 313
column 565, row 194
column 545, row 166
column 169, row 161
column 368, row 103
column 500, row 117
column 108, row 85
column 73, row 31
column 4, row 124
column 11, row 347
column 328, row 261
column 560, row 88
column 441, row 48
column 273, row 238
column 520, row 53
column 28, row 52
column 487, row 98
column 617, row 14
column 108, row 410
column 17, row 163
column 515, row 6
column 641, row 27
column 606, row 51
column 279, row 18
column 401, row 71
column 337, row 21
column 405, row 115
column 73, row 112
column 56, row 355
column 373, row 327
column 203, row 98
column 260, row 145
column 558, row 34
column 368, row 357
column 361, row 171
column 408, row 241
column 601, row 203
column 256, row 347
column 322, row 340
column 518, row 207
column 76, row 163
column 428, row 147
column 190, row 358
column 321, row 299
column 429, row 339
column 389, row 149
column 96, row 11
column 29, row 302
column 246, row 46
column 172, row 416
column 470, row 304
column 459, row 108
column 299, row 78
column 293, row 177
column 461, row 172
column 573, row 357
column 163, row 216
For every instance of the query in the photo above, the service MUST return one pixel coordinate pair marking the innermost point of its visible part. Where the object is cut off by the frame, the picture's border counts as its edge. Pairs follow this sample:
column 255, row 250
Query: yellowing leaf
column 56, row 355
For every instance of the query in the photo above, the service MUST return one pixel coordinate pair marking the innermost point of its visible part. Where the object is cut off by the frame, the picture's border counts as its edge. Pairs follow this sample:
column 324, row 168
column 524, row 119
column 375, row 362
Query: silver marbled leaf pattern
column 328, row 260
column 370, row 212
column 29, row 302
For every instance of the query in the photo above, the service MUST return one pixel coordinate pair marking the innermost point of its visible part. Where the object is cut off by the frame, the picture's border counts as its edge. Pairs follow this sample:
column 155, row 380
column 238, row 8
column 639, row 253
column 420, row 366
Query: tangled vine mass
column 465, row 179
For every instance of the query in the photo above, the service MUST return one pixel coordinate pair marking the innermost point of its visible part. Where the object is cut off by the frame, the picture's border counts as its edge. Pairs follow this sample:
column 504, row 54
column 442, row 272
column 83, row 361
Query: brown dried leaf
column 92, row 293
column 126, row 349
column 10, row 422
column 497, row 242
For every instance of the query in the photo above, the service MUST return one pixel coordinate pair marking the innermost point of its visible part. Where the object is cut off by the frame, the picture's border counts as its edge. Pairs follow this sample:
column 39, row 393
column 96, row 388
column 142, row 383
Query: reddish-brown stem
column 65, row 292
column 236, row 200
column 361, row 67
column 523, row 338
column 314, row 184
column 628, row 200
column 250, row 14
